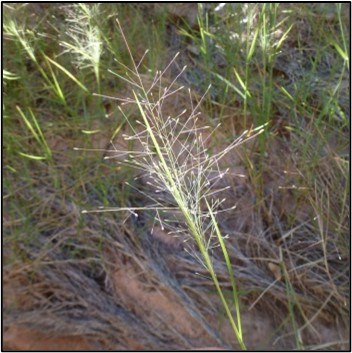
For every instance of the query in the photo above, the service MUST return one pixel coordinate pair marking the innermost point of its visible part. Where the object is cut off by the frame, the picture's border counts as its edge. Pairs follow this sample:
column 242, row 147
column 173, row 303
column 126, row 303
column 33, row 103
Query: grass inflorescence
column 175, row 158
column 199, row 203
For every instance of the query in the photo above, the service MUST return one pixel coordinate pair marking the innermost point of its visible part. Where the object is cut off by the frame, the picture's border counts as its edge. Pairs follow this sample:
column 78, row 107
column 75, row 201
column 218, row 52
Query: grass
column 292, row 206
column 185, row 175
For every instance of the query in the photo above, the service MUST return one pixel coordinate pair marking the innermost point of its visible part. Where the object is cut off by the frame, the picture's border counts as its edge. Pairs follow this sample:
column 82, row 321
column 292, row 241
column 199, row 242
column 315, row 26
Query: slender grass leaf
column 65, row 71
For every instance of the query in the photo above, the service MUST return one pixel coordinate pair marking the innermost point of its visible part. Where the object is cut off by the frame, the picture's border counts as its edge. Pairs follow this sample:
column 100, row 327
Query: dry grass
column 108, row 282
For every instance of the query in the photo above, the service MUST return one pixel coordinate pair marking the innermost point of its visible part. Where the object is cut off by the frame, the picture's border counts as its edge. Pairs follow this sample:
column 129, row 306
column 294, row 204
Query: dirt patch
column 153, row 301
column 23, row 339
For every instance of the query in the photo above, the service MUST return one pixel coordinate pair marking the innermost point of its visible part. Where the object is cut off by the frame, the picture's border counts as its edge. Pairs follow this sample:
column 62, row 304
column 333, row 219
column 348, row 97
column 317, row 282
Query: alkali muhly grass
column 175, row 159
column 191, row 162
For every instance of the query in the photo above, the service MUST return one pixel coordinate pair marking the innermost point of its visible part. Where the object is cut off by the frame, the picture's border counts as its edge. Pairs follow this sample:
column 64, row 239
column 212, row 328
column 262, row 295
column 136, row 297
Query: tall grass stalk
column 175, row 160
column 250, row 48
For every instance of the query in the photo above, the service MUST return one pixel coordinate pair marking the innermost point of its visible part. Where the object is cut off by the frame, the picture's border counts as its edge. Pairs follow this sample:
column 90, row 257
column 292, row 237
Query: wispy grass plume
column 84, row 37
column 175, row 161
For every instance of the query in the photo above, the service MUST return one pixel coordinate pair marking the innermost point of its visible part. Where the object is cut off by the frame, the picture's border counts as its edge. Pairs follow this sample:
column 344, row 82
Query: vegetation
column 126, row 165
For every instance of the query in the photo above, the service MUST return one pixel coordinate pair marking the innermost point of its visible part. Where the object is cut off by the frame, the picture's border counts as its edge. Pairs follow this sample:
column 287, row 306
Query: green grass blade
column 56, row 86
column 244, row 86
column 342, row 53
column 230, row 84
column 283, row 37
column 229, row 268
column 252, row 47
column 66, row 72
column 90, row 132
column 40, row 133
column 29, row 125
column 212, row 273
column 31, row 156
column 37, row 133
